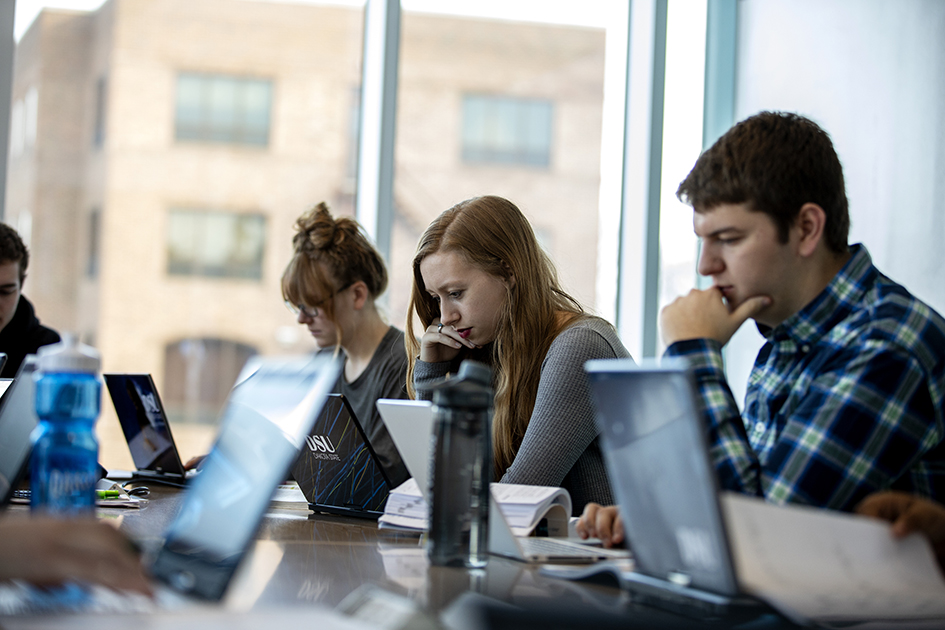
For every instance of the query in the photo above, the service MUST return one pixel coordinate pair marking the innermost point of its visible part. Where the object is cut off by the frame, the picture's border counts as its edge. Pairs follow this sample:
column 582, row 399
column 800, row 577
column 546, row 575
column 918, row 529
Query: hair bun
column 314, row 230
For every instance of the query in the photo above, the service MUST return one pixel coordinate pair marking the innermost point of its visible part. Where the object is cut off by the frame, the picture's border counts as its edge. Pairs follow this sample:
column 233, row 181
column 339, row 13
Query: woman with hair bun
column 483, row 289
column 332, row 283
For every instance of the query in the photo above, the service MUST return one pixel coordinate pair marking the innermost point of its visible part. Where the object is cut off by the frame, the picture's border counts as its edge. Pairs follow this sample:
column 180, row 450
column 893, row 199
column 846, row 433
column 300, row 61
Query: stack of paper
column 405, row 507
column 523, row 506
column 288, row 496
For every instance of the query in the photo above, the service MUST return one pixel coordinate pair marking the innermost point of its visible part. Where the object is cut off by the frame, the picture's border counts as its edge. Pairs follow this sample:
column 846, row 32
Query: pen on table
column 108, row 494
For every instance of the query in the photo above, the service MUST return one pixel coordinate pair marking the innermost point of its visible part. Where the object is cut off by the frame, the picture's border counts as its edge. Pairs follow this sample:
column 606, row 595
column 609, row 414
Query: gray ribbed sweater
column 561, row 445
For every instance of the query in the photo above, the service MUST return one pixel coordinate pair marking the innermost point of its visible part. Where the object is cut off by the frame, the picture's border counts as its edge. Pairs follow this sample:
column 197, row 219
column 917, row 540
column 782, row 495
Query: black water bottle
column 462, row 468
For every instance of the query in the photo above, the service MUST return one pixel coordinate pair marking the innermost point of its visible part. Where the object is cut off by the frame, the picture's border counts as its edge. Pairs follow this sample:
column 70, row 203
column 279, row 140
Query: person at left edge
column 20, row 331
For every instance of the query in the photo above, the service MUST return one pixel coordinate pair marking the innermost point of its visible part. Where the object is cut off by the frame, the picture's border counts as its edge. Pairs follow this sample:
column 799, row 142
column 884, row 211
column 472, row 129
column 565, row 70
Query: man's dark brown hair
column 12, row 249
column 776, row 162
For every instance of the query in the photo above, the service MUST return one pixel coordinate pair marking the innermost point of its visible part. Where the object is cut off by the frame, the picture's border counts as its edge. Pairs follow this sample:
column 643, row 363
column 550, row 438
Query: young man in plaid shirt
column 846, row 396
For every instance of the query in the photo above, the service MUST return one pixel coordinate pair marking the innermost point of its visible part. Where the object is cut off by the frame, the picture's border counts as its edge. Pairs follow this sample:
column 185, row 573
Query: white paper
column 289, row 493
column 829, row 566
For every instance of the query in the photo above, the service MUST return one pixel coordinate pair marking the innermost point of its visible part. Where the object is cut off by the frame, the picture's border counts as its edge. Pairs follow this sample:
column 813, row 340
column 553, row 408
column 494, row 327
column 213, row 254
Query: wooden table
column 303, row 565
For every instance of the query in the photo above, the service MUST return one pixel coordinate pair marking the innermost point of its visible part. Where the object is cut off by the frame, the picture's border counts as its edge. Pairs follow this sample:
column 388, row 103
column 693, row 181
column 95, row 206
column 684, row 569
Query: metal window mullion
column 7, row 51
column 375, row 182
column 639, row 252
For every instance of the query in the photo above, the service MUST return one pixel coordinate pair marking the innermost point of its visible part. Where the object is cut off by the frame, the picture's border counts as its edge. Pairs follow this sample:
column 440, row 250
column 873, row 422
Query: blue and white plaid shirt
column 845, row 398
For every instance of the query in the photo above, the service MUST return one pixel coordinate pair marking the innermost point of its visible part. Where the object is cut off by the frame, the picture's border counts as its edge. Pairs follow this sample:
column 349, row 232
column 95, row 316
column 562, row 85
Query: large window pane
column 164, row 150
column 507, row 101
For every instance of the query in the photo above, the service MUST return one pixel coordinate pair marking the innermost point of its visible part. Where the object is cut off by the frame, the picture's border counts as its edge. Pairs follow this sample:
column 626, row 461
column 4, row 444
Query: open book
column 524, row 507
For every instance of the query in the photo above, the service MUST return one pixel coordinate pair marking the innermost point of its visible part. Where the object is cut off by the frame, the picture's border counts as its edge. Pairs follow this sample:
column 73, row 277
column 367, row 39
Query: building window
column 507, row 130
column 215, row 244
column 23, row 122
column 98, row 133
column 95, row 229
column 214, row 108
column 198, row 376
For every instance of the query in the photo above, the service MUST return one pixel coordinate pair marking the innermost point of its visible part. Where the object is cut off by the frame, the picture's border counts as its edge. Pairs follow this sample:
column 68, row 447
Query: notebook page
column 829, row 566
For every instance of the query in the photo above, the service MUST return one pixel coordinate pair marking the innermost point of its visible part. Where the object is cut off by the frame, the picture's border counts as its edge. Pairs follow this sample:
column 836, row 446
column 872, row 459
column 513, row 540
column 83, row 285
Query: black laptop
column 146, row 428
column 337, row 470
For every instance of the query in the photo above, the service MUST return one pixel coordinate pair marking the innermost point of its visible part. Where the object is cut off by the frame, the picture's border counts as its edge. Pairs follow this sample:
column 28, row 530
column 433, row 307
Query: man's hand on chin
column 703, row 314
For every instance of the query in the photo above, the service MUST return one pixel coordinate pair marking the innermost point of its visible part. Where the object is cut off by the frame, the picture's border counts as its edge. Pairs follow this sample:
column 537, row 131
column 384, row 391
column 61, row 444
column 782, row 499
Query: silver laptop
column 666, row 488
column 268, row 415
column 410, row 424
column 17, row 421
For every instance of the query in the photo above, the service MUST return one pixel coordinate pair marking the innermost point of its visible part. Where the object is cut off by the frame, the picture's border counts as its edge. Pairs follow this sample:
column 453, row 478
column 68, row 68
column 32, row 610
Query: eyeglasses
column 316, row 309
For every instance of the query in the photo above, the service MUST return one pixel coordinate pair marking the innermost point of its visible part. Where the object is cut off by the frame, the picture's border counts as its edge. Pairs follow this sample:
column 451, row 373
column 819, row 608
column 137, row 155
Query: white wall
column 872, row 73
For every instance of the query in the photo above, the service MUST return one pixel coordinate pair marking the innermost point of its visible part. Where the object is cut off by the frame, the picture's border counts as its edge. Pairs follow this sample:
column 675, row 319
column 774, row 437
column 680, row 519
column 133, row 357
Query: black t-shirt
column 384, row 377
column 22, row 336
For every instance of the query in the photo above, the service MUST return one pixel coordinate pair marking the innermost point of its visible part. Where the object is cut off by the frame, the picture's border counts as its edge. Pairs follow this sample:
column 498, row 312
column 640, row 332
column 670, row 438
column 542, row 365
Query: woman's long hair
column 330, row 254
column 492, row 234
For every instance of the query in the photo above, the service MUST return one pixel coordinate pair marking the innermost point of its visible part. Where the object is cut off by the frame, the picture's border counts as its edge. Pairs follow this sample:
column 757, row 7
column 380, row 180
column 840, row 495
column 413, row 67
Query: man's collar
column 831, row 305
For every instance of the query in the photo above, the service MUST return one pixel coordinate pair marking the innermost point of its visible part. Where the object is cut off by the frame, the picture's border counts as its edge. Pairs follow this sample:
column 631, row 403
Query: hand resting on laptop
column 48, row 552
column 601, row 522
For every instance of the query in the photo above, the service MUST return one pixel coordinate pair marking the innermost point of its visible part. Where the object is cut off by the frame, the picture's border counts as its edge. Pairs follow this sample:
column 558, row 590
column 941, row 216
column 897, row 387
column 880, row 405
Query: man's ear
column 809, row 226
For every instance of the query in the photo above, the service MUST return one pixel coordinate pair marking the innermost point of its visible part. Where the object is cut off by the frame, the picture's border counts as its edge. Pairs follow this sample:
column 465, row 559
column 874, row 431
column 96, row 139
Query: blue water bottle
column 64, row 464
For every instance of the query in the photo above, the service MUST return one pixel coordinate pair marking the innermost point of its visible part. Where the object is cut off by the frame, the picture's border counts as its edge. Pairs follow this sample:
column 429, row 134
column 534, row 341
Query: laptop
column 655, row 450
column 337, row 470
column 146, row 429
column 269, row 412
column 17, row 421
column 410, row 424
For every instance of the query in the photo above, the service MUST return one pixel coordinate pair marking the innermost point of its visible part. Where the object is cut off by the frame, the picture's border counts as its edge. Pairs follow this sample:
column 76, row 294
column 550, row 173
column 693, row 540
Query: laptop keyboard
column 558, row 548
column 20, row 598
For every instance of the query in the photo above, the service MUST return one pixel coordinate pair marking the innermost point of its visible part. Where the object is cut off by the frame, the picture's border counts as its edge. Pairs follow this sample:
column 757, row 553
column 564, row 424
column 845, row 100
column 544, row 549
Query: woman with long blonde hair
column 483, row 289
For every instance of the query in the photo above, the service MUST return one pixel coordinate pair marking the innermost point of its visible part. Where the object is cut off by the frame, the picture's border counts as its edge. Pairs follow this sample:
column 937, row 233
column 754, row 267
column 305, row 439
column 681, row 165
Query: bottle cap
column 470, row 388
column 69, row 355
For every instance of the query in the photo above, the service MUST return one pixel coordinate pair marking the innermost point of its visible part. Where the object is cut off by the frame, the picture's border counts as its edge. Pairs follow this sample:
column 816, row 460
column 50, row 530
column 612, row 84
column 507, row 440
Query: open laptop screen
column 269, row 412
column 17, row 421
column 337, row 468
column 143, row 422
column 666, row 490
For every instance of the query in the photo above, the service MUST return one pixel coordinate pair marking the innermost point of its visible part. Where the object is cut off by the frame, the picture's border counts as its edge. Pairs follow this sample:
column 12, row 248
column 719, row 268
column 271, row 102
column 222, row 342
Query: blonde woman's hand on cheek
column 441, row 343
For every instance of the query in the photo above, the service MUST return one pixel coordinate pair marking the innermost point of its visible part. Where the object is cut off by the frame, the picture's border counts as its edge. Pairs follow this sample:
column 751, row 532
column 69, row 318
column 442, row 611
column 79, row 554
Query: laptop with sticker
column 145, row 426
column 337, row 469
